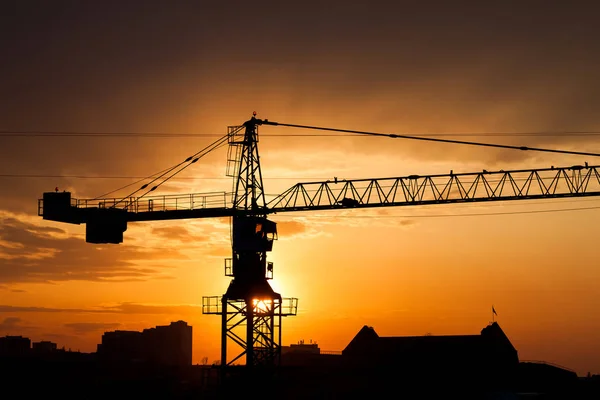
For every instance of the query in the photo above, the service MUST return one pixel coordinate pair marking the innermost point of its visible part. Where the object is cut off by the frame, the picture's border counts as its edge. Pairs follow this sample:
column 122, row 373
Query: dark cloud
column 87, row 327
column 412, row 67
column 133, row 308
column 17, row 231
column 14, row 325
column 31, row 254
column 122, row 308
column 10, row 322
column 59, row 336
column 22, row 309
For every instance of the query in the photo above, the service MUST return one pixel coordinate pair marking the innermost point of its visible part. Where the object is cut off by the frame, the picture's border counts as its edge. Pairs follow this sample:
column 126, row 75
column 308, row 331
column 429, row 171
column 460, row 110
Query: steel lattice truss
column 265, row 323
column 437, row 189
column 248, row 191
column 574, row 181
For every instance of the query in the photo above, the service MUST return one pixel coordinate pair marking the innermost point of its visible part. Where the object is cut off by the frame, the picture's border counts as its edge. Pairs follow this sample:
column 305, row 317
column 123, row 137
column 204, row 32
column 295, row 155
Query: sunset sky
column 409, row 67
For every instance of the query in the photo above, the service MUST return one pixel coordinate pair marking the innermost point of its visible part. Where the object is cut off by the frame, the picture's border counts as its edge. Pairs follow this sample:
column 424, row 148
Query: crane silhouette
column 251, row 311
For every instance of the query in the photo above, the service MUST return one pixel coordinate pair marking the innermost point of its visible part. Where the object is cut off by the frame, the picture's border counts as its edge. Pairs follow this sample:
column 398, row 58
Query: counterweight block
column 106, row 226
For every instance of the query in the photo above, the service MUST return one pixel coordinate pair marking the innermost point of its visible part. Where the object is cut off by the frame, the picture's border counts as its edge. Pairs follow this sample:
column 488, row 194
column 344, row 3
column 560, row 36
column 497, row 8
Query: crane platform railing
column 192, row 201
column 574, row 181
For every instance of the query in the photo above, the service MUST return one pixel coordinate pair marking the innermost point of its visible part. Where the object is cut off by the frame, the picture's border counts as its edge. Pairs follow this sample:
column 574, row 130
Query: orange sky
column 402, row 69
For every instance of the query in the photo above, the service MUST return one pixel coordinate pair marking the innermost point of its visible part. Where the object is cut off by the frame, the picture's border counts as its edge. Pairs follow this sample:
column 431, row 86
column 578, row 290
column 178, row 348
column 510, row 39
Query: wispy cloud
column 14, row 324
column 10, row 322
column 179, row 233
column 291, row 228
column 119, row 308
column 135, row 308
column 31, row 253
column 33, row 309
column 87, row 327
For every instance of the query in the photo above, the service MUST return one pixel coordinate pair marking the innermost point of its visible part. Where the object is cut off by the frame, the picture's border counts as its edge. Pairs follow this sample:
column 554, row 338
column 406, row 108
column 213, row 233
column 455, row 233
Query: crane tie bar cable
column 161, row 175
column 395, row 136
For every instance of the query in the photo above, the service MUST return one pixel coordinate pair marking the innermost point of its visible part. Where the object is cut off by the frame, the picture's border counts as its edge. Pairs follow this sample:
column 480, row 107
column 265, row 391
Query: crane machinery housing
column 251, row 311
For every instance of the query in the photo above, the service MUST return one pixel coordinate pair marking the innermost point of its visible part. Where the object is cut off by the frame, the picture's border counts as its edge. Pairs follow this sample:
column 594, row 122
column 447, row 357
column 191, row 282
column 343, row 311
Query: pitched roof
column 368, row 342
column 365, row 338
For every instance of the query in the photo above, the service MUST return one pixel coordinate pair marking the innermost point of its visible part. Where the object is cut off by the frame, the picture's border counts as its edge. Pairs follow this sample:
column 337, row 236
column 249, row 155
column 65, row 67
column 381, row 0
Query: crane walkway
column 554, row 182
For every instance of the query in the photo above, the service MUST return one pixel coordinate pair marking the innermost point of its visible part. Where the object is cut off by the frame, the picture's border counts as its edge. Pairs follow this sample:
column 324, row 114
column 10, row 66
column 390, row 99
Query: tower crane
column 251, row 311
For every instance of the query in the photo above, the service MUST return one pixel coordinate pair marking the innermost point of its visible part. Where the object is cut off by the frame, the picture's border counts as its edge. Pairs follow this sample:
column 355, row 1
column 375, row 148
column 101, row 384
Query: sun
column 260, row 306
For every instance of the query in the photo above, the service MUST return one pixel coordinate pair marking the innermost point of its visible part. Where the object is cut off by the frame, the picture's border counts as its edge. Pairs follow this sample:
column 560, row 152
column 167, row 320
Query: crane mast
column 250, row 301
column 251, row 311
column 248, row 193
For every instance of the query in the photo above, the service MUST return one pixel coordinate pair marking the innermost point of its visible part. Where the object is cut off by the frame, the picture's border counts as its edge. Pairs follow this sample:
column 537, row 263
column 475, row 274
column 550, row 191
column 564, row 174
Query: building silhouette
column 163, row 345
column 43, row 346
column 121, row 346
column 302, row 354
column 489, row 356
column 131, row 364
column 301, row 348
column 14, row 346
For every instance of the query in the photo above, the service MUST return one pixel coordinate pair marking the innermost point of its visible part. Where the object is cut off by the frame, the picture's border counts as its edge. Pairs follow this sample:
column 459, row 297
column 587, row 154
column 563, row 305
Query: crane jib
column 107, row 222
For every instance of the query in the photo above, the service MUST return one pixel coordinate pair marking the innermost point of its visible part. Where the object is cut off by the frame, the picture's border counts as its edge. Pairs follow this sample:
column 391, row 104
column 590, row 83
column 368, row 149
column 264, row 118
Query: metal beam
column 574, row 181
column 412, row 190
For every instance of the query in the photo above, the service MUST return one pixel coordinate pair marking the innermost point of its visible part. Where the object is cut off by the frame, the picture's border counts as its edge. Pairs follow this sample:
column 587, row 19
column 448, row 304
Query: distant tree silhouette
column 204, row 360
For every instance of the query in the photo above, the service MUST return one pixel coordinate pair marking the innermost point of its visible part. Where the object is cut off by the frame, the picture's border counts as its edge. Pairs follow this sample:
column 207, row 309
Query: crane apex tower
column 251, row 311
